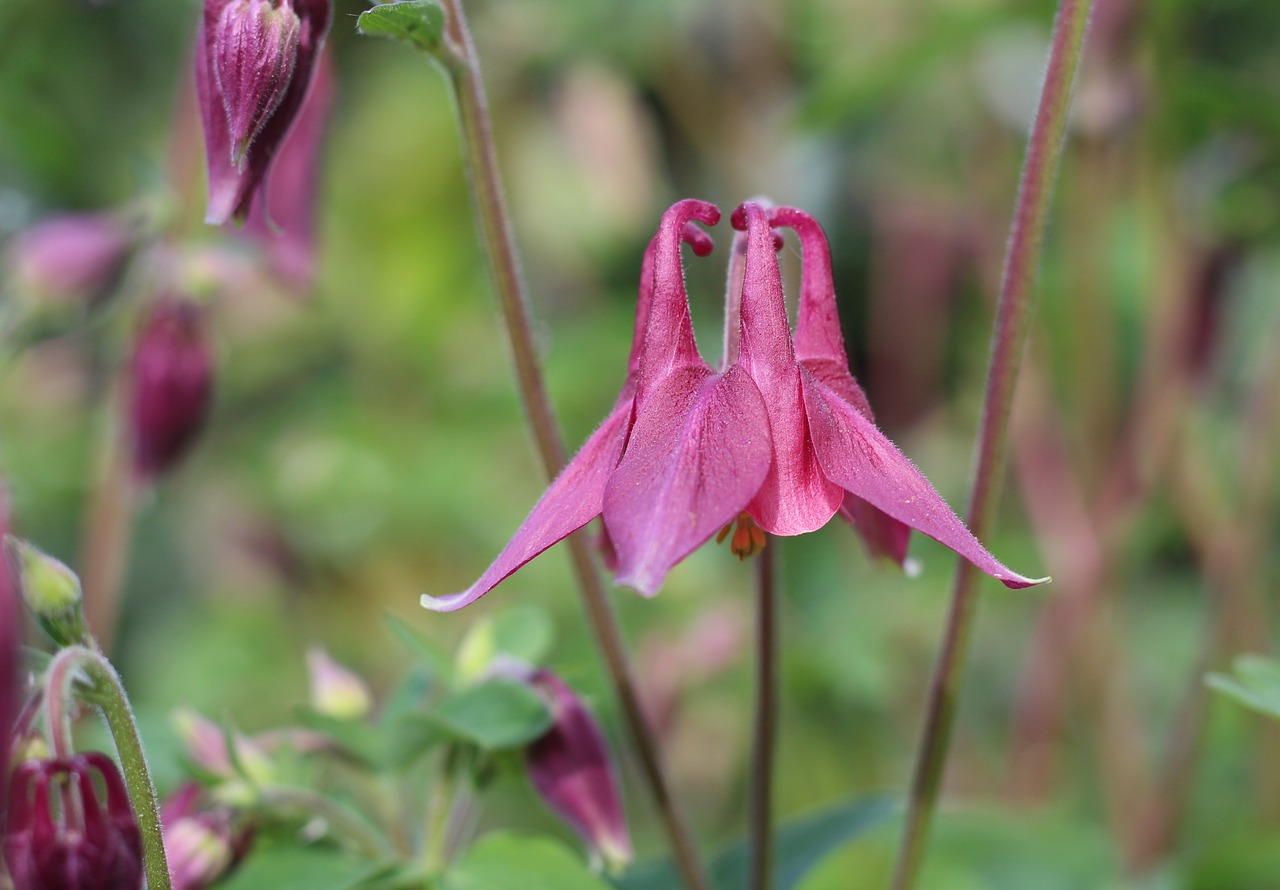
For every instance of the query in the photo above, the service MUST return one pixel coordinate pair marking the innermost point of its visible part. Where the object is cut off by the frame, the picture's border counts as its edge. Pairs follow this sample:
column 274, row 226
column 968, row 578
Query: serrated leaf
column 494, row 715
column 417, row 23
column 298, row 868
column 1255, row 684
column 506, row 861
column 799, row 844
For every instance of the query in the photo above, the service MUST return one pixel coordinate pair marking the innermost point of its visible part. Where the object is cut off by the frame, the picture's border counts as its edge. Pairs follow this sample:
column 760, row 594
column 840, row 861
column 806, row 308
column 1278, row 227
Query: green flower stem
column 766, row 722
column 108, row 693
column 1031, row 210
column 345, row 823
column 462, row 64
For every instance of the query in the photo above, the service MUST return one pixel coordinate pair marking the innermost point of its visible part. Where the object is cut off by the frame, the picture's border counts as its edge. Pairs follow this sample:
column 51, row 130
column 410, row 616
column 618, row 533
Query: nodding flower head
column 71, row 828
column 777, row 440
column 254, row 62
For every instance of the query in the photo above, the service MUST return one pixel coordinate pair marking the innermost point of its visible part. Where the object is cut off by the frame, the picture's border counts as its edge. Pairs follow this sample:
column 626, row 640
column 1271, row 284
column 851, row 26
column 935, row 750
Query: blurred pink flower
column 202, row 844
column 254, row 61
column 572, row 770
column 170, row 385
column 72, row 257
column 780, row 438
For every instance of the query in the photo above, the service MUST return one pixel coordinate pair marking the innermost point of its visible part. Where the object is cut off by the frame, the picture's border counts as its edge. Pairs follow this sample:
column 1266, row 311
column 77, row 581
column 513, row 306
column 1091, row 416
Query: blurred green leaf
column 417, row 23
column 800, row 845
column 1256, row 683
column 505, row 861
column 298, row 868
column 368, row 743
column 419, row 646
column 494, row 715
column 522, row 633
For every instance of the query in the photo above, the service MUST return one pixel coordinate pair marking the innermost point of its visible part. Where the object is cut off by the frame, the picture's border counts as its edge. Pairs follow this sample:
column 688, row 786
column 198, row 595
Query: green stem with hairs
column 1031, row 211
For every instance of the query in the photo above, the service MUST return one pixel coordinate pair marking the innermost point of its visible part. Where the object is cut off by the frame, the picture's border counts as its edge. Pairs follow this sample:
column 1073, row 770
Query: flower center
column 748, row 538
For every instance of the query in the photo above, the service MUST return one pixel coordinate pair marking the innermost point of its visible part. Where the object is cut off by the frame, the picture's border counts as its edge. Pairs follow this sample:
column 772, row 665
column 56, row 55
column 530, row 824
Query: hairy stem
column 1031, row 210
column 766, row 723
column 478, row 145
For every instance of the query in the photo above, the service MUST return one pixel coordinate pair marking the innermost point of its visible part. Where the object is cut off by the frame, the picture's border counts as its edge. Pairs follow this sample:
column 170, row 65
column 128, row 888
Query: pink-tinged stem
column 766, row 722
column 108, row 532
column 463, row 67
column 1031, row 210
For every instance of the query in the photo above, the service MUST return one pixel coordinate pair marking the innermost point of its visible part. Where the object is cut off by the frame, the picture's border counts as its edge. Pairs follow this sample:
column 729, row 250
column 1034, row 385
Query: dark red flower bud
column 71, row 828
column 170, row 385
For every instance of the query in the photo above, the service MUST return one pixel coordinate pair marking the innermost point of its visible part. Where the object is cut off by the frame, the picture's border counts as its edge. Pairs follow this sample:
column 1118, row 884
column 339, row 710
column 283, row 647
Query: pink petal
column 818, row 336
column 856, row 455
column 796, row 497
column 573, row 500
column 698, row 452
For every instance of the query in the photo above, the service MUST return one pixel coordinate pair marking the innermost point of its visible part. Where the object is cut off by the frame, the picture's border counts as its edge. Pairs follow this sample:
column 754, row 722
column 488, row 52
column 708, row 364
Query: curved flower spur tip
column 818, row 337
column 574, row 499
column 702, row 244
column 795, row 496
column 857, row 456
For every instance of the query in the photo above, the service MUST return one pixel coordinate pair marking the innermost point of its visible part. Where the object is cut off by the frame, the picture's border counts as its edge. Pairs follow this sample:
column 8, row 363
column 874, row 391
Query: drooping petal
column 573, row 500
column 698, row 452
column 857, row 456
column 795, row 497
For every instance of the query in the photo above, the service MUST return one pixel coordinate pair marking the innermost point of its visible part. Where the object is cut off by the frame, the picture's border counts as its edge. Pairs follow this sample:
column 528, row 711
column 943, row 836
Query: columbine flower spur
column 778, row 440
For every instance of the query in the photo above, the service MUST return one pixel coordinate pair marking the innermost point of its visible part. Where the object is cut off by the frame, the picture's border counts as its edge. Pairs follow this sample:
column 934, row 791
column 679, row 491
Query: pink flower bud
column 201, row 844
column 336, row 690
column 170, row 385
column 72, row 838
column 571, row 768
column 254, row 61
column 75, row 257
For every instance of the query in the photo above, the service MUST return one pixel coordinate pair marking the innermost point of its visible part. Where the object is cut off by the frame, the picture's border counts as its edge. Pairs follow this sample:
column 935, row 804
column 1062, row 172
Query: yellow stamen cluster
column 748, row 538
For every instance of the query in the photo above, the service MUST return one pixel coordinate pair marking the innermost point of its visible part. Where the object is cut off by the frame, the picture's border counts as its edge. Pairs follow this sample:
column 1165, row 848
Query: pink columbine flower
column 64, row 835
column 778, row 440
column 170, row 385
column 254, row 61
column 571, row 769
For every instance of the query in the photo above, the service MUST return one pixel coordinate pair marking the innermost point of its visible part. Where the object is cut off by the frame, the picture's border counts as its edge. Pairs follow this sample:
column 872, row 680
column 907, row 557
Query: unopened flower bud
column 64, row 833
column 170, row 385
column 335, row 690
column 201, row 844
column 50, row 590
column 572, row 770
column 71, row 258
column 254, row 62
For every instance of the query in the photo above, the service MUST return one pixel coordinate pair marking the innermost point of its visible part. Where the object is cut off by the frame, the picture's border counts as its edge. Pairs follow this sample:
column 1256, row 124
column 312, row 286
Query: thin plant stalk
column 463, row 68
column 109, row 694
column 108, row 532
column 1031, row 211
column 765, row 734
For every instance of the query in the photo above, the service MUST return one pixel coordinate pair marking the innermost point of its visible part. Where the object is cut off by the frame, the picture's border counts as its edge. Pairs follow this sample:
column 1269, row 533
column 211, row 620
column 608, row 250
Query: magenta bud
column 571, row 768
column 71, row 828
column 254, row 61
column 74, row 257
column 170, row 385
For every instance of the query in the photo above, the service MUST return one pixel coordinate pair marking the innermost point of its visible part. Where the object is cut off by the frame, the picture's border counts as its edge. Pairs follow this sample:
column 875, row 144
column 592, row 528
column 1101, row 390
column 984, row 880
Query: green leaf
column 357, row 738
column 505, row 861
column 494, row 715
column 418, row 23
column 418, row 645
column 1256, row 683
column 800, row 844
column 522, row 633
column 298, row 868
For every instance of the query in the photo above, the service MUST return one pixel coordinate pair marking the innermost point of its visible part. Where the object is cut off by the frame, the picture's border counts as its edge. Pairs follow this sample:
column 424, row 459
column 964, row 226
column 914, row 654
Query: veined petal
column 795, row 497
column 573, row 500
column 698, row 453
column 857, row 456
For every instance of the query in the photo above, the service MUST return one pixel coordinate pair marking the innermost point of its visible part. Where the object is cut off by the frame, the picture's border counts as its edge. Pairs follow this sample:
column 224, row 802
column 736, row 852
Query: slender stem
column 57, row 704
column 464, row 72
column 1031, row 210
column 110, row 695
column 434, row 848
column 108, row 529
column 766, row 723
column 345, row 823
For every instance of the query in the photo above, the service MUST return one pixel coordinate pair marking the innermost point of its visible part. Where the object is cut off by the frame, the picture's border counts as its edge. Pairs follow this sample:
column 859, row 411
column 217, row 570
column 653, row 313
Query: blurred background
column 367, row 444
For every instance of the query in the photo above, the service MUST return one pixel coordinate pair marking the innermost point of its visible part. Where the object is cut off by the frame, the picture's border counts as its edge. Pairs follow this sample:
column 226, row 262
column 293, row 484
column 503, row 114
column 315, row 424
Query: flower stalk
column 766, row 722
column 109, row 694
column 462, row 65
column 1031, row 210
